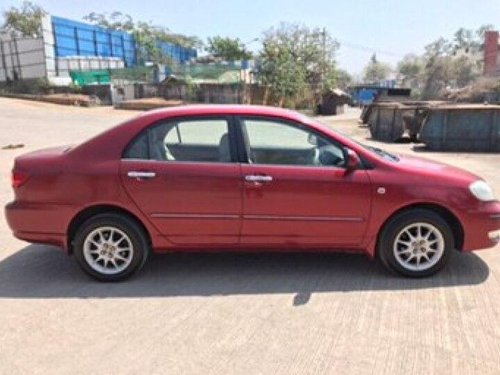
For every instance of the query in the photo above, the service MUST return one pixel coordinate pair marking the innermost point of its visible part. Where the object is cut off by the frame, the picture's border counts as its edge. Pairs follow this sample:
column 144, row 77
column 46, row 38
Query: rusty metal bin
column 388, row 122
column 385, row 122
column 462, row 128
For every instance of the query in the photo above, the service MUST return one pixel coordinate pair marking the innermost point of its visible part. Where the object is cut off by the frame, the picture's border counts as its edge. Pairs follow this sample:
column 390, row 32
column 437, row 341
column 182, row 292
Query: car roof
column 222, row 109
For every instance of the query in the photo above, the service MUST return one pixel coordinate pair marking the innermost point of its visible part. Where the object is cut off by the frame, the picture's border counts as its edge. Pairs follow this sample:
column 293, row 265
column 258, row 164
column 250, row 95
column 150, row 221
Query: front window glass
column 378, row 151
column 274, row 142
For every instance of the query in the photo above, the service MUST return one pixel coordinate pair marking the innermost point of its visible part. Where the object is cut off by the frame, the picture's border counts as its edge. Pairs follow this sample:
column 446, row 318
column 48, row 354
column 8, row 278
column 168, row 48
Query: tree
column 439, row 47
column 25, row 21
column 464, row 40
column 147, row 35
column 480, row 33
column 376, row 71
column 465, row 70
column 437, row 74
column 227, row 49
column 445, row 64
column 410, row 71
column 297, row 62
column 115, row 20
column 344, row 79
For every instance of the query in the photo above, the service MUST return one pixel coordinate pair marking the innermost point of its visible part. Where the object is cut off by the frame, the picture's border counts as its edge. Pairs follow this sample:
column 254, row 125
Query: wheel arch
column 450, row 218
column 91, row 211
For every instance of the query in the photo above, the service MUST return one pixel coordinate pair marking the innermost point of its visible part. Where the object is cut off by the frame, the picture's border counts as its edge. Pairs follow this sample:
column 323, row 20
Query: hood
column 431, row 169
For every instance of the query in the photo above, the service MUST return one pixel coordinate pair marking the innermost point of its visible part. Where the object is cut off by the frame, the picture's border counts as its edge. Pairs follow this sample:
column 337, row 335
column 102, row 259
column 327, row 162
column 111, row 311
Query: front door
column 181, row 175
column 296, row 189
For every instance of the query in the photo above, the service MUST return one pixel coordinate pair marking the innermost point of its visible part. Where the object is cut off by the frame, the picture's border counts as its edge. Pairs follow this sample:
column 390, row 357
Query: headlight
column 482, row 191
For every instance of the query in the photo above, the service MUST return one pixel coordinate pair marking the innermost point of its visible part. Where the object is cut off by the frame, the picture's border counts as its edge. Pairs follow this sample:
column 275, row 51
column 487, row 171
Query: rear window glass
column 138, row 149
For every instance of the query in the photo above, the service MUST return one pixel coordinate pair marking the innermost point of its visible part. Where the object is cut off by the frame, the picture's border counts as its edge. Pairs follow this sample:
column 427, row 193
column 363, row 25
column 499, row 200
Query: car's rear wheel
column 110, row 247
column 415, row 243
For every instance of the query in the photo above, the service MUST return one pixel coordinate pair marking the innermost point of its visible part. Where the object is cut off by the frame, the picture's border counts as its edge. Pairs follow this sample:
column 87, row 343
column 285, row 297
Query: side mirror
column 353, row 160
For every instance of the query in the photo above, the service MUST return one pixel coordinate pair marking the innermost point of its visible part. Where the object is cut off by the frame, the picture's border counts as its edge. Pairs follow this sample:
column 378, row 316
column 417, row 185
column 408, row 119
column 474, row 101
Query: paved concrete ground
column 236, row 314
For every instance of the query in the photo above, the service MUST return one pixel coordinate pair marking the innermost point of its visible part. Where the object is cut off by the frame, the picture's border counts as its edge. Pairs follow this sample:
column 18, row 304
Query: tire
column 415, row 243
column 110, row 247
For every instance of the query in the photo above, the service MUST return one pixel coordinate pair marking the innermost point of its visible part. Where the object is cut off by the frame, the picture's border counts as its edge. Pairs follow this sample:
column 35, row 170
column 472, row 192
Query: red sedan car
column 244, row 178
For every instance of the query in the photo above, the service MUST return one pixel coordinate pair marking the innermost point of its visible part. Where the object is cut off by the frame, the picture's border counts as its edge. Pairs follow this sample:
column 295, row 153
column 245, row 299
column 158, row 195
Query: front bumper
column 482, row 226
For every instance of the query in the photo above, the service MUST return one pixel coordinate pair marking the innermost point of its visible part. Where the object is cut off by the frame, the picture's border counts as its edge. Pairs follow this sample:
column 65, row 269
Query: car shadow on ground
column 39, row 271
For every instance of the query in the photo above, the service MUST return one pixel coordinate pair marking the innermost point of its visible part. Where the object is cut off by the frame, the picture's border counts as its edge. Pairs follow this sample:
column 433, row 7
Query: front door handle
column 258, row 178
column 141, row 175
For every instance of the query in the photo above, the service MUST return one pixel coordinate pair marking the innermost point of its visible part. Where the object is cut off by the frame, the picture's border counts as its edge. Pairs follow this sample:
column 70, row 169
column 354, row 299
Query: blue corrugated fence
column 73, row 38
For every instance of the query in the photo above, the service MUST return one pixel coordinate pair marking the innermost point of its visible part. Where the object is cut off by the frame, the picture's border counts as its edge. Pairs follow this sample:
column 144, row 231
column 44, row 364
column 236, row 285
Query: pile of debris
column 64, row 99
column 483, row 91
column 148, row 103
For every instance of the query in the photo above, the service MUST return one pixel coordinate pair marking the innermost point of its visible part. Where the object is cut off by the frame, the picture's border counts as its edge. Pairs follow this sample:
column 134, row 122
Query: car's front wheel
column 110, row 247
column 416, row 243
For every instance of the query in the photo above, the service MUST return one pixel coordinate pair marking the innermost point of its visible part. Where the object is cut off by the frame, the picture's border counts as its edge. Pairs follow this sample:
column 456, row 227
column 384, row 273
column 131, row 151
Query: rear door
column 296, row 189
column 183, row 176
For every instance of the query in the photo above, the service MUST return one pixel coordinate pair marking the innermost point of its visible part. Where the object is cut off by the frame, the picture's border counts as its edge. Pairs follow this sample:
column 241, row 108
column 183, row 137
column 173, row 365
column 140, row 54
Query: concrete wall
column 32, row 58
column 83, row 63
column 21, row 58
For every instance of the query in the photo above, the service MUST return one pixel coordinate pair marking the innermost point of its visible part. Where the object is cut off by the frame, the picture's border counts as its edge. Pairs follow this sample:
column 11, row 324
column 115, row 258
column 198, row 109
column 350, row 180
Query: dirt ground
column 234, row 313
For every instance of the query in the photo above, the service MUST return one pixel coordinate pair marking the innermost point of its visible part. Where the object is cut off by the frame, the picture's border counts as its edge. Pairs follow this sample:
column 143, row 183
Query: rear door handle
column 141, row 175
column 258, row 178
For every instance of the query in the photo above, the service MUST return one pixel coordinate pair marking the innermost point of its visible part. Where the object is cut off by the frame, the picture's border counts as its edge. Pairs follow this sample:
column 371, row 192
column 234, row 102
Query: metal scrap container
column 472, row 127
column 386, row 121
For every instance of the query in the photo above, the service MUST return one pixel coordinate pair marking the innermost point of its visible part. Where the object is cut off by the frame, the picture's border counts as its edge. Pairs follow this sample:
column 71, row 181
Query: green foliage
column 28, row 86
column 227, row 49
column 376, row 71
column 25, row 21
column 297, row 62
column 74, row 89
column 43, row 85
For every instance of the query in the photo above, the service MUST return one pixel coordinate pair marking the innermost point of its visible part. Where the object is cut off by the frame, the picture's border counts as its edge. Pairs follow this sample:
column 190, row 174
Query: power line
column 348, row 44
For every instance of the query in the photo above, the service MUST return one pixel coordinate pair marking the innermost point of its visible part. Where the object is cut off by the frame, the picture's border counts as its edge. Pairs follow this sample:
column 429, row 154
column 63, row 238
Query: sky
column 389, row 28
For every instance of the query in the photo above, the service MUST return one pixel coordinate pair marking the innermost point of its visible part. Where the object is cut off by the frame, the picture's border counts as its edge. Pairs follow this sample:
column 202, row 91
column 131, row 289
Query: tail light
column 19, row 178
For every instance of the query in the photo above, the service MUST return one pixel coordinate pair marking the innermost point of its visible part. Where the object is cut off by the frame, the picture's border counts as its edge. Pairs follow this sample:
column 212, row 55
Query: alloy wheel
column 418, row 246
column 108, row 250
